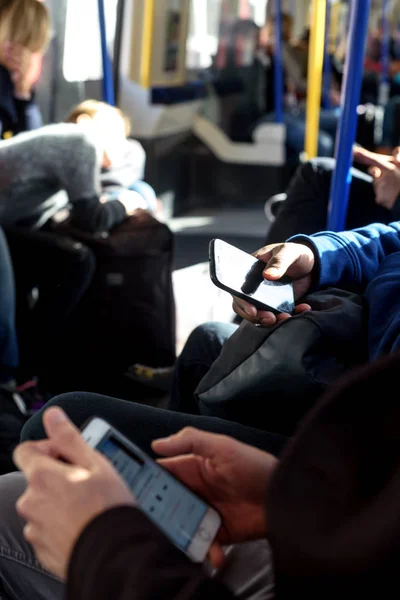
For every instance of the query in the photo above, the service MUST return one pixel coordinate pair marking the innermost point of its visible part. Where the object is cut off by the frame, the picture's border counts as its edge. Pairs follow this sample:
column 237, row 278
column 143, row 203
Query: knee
column 205, row 342
column 33, row 428
column 12, row 486
column 326, row 145
column 199, row 337
column 307, row 171
column 323, row 163
column 147, row 193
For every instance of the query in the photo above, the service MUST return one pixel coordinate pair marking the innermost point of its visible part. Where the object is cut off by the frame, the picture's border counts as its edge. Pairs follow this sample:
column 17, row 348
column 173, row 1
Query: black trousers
column 61, row 270
column 306, row 208
column 142, row 424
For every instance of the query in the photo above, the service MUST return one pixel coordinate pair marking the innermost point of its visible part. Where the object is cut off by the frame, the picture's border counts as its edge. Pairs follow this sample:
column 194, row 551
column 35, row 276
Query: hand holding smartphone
column 182, row 516
column 241, row 274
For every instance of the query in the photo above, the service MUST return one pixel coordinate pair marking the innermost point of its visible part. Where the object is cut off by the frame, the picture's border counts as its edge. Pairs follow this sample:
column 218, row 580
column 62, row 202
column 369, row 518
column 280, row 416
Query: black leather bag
column 270, row 377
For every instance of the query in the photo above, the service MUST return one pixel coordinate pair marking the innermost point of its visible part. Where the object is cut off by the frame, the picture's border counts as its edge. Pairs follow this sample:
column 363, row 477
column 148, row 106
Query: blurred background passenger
column 24, row 35
column 295, row 65
column 124, row 168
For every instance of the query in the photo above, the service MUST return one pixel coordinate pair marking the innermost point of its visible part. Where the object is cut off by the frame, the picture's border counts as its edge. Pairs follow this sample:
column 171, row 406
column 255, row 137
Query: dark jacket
column 15, row 115
column 333, row 514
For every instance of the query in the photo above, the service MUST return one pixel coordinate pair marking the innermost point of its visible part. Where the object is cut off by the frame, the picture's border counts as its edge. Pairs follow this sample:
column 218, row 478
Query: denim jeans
column 296, row 131
column 248, row 570
column 9, row 357
column 201, row 350
column 147, row 192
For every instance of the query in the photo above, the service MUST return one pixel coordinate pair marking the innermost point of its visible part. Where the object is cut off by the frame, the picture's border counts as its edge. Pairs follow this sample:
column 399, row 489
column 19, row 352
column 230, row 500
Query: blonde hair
column 91, row 108
column 25, row 22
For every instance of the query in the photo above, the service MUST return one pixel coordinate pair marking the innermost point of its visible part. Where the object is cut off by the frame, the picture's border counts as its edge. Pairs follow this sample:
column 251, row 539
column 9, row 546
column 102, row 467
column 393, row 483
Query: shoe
column 27, row 397
column 156, row 378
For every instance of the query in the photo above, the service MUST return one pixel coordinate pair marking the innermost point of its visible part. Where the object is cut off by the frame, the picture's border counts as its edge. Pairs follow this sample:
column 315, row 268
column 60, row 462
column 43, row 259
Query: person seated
column 327, row 505
column 126, row 172
column 24, row 35
column 372, row 199
column 295, row 64
column 374, row 49
column 61, row 168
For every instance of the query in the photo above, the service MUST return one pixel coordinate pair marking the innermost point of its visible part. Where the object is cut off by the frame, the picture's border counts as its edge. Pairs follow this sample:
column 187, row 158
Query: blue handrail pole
column 108, row 79
column 278, row 64
column 326, row 97
column 384, row 88
column 351, row 90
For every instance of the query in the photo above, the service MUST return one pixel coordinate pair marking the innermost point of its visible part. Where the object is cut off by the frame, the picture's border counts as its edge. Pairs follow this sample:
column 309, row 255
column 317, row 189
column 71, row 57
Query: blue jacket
column 365, row 260
column 16, row 115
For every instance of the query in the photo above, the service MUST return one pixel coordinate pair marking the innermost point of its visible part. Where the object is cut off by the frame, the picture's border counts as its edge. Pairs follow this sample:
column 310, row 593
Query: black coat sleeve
column 29, row 115
column 122, row 555
column 94, row 216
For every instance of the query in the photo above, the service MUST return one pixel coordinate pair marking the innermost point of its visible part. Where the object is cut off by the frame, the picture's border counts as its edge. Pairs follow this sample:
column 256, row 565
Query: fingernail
column 272, row 270
column 267, row 322
column 56, row 416
column 161, row 440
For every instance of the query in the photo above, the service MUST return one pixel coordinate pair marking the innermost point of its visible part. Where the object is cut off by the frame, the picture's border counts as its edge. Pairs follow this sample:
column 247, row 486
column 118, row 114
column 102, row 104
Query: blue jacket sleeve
column 350, row 260
column 383, row 294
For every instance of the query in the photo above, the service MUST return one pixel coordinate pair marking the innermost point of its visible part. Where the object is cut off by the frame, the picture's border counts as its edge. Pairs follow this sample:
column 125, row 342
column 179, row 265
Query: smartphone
column 183, row 517
column 241, row 275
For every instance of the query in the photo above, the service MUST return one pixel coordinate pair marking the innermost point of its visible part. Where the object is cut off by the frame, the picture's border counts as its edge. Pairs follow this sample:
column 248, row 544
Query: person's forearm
column 351, row 259
column 123, row 555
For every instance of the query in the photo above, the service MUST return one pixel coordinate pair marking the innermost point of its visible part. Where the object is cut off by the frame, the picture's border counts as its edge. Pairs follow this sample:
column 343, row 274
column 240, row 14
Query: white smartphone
column 183, row 517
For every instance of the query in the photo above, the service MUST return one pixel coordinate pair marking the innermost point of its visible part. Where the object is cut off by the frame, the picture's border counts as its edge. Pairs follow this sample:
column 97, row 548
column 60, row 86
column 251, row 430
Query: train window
column 82, row 50
column 207, row 26
column 258, row 11
column 202, row 42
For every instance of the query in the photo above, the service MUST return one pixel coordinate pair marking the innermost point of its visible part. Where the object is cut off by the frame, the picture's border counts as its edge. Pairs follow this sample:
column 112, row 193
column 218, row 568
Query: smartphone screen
column 170, row 505
column 242, row 275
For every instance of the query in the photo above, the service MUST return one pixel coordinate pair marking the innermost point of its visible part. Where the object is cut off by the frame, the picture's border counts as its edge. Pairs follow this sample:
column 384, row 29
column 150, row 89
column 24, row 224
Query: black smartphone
column 241, row 275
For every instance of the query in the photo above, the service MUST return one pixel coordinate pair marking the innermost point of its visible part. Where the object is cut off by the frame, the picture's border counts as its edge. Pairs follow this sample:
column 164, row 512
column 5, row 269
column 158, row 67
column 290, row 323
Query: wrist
column 22, row 94
column 22, row 88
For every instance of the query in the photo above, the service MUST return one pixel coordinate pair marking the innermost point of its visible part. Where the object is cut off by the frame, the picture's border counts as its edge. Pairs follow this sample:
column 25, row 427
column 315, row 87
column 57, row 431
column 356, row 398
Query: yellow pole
column 147, row 44
column 334, row 30
column 315, row 69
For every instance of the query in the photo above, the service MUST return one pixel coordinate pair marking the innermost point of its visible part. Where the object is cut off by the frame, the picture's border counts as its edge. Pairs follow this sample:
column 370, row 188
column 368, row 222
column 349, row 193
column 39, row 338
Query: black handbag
column 270, row 377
